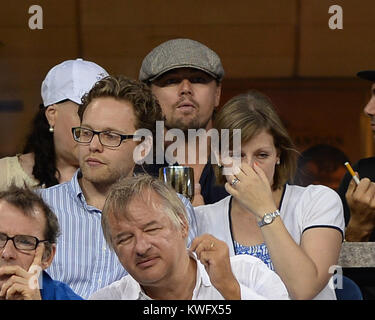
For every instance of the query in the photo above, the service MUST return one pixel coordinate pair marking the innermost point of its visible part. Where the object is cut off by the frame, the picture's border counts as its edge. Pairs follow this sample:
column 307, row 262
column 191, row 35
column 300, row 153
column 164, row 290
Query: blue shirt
column 83, row 259
column 56, row 290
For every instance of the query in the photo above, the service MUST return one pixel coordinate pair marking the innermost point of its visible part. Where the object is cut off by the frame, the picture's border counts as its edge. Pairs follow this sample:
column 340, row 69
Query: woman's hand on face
column 252, row 190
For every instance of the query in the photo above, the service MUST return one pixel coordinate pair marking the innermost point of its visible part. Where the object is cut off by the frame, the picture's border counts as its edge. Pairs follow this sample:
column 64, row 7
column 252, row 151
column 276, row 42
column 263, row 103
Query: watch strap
column 272, row 215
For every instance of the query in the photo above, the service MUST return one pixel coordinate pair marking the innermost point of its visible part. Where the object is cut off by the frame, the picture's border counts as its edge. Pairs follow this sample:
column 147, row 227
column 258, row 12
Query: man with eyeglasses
column 28, row 233
column 111, row 113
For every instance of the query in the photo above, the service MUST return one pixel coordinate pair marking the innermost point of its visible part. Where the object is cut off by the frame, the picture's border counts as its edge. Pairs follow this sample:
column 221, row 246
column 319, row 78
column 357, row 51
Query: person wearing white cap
column 359, row 200
column 50, row 153
column 185, row 76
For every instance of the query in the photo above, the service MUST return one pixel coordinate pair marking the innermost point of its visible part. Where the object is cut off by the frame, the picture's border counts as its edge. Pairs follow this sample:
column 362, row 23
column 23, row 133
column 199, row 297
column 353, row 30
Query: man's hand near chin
column 19, row 284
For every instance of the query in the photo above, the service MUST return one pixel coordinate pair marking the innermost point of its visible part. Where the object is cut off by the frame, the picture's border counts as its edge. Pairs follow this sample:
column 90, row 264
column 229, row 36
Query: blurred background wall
column 284, row 48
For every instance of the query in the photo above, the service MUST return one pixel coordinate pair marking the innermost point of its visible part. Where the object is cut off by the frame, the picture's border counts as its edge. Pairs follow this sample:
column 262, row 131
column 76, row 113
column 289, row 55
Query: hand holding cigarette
column 351, row 171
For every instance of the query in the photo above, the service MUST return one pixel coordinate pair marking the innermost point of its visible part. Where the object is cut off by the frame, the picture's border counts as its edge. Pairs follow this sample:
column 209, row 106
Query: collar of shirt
column 77, row 193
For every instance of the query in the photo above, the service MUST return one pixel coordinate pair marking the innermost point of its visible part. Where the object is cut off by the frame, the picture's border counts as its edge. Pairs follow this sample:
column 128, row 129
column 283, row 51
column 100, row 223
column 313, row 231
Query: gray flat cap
column 180, row 53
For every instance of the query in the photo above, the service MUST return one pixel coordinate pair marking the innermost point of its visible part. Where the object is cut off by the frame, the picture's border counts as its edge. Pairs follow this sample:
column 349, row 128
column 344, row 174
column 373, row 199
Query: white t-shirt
column 301, row 208
column 257, row 282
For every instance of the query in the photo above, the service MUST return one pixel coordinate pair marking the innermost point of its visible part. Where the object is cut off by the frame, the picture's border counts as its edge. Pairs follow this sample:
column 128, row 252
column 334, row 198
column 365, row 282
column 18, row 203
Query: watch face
column 267, row 218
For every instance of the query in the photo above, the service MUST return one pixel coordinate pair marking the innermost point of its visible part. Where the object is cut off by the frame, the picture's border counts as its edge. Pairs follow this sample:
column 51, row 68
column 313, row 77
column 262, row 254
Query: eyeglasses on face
column 21, row 242
column 106, row 138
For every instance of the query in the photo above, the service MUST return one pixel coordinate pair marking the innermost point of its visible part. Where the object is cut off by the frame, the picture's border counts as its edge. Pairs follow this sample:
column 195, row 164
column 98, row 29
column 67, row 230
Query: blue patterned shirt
column 259, row 251
column 83, row 259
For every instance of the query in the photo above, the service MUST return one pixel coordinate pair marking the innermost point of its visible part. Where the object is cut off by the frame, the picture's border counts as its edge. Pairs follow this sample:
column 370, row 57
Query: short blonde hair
column 126, row 189
column 253, row 112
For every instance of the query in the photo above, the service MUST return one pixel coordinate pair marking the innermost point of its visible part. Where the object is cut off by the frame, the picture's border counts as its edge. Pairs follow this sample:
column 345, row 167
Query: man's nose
column 186, row 87
column 9, row 251
column 95, row 144
column 142, row 245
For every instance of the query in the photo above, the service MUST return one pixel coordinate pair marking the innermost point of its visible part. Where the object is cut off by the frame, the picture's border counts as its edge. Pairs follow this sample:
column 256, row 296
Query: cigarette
column 351, row 171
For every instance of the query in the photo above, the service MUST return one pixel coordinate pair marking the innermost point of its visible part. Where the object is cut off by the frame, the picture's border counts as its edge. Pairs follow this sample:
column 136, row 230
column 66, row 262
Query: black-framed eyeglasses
column 106, row 138
column 20, row 241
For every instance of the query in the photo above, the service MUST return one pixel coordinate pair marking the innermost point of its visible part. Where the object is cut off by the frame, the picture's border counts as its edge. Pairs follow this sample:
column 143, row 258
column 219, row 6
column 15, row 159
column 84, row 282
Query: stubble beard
column 183, row 124
column 100, row 178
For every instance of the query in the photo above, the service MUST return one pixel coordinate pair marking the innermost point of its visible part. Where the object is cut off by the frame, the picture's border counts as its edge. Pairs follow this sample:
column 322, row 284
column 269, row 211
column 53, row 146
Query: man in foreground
column 145, row 223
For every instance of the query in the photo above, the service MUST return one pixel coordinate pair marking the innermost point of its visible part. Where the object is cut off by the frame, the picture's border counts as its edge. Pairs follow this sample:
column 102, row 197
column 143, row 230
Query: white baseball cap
column 70, row 79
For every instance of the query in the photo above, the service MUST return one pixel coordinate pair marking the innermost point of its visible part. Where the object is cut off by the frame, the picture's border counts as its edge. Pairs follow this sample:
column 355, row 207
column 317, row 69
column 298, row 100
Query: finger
column 228, row 188
column 260, row 173
column 38, row 257
column 13, row 270
column 246, row 169
column 362, row 193
column 372, row 199
column 204, row 246
column 371, row 190
column 10, row 282
column 233, row 167
column 206, row 258
column 204, row 242
column 17, row 292
column 197, row 241
column 363, row 186
column 351, row 188
column 231, row 179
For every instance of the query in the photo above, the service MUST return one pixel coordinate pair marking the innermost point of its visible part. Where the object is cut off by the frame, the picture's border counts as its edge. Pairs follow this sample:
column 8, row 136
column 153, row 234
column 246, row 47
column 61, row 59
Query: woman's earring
column 51, row 129
column 278, row 161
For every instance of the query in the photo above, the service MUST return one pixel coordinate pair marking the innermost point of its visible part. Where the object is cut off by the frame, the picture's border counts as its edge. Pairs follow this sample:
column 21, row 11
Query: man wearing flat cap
column 185, row 76
column 359, row 200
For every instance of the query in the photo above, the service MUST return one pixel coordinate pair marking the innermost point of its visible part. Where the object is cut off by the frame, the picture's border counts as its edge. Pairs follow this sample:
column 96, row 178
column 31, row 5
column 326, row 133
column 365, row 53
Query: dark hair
column 26, row 200
column 40, row 142
column 327, row 159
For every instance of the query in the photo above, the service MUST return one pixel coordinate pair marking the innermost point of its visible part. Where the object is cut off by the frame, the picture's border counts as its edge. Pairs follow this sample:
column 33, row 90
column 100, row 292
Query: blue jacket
column 56, row 290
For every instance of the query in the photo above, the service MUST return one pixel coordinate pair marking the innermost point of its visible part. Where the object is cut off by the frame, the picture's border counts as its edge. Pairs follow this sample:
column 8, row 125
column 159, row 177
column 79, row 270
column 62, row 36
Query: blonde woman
column 296, row 231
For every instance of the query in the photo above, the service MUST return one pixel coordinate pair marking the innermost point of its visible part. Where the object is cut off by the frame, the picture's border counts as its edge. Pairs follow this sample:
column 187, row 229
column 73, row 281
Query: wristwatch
column 268, row 218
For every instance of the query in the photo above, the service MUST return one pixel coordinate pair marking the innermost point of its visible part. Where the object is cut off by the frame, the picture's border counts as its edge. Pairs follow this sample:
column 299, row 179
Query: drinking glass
column 180, row 178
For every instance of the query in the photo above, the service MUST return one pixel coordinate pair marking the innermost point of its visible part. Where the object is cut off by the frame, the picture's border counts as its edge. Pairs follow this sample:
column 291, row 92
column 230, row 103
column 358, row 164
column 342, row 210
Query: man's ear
column 217, row 95
column 51, row 114
column 184, row 226
column 48, row 256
